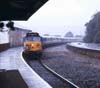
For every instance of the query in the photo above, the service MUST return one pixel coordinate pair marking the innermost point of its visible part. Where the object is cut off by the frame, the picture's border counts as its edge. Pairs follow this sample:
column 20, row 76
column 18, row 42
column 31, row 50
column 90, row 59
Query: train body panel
column 33, row 46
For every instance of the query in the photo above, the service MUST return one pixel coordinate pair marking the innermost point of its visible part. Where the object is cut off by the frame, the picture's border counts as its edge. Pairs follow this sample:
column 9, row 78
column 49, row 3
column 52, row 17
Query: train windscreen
column 32, row 39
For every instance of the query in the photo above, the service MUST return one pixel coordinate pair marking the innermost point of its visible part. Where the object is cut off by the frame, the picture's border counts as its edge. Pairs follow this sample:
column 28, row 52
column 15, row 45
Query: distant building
column 69, row 34
column 16, row 36
column 46, row 35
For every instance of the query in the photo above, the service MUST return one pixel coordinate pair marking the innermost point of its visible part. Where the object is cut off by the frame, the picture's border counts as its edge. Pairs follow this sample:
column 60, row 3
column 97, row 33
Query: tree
column 93, row 29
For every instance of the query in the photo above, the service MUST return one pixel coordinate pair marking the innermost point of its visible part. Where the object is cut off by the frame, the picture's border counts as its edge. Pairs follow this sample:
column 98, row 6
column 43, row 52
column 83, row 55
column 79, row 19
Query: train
column 32, row 45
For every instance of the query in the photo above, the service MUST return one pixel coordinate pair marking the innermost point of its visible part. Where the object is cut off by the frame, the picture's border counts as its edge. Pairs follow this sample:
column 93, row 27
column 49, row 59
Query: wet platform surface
column 12, row 60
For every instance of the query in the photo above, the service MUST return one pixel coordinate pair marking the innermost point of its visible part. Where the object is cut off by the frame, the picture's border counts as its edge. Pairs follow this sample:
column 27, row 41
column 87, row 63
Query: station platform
column 11, row 59
column 91, row 46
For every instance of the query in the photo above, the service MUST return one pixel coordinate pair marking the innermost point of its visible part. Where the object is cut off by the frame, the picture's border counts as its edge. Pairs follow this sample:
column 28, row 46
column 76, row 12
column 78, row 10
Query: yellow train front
column 32, row 45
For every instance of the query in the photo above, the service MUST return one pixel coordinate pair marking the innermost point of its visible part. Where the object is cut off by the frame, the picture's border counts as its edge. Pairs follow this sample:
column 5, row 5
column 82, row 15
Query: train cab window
column 32, row 39
column 36, row 39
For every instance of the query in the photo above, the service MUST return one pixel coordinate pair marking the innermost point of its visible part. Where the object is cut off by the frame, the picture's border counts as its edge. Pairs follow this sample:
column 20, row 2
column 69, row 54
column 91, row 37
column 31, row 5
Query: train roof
column 19, row 9
column 32, row 34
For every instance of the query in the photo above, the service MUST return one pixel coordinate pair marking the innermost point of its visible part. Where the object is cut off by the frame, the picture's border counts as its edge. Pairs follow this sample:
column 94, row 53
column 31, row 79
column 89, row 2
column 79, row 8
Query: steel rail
column 71, row 85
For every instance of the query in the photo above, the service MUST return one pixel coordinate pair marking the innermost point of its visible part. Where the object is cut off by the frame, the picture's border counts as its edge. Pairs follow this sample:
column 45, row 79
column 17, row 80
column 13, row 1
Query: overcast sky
column 59, row 16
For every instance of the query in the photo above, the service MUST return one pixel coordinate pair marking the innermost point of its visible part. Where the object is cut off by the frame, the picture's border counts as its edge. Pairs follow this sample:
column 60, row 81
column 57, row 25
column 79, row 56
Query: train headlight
column 32, row 45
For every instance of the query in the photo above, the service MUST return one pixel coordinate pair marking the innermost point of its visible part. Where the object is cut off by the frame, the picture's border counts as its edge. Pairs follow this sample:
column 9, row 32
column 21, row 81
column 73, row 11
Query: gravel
column 82, row 70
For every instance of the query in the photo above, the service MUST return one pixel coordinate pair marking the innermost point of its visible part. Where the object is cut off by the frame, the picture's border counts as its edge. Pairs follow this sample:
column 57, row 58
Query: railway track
column 69, row 83
column 65, row 83
column 83, row 74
